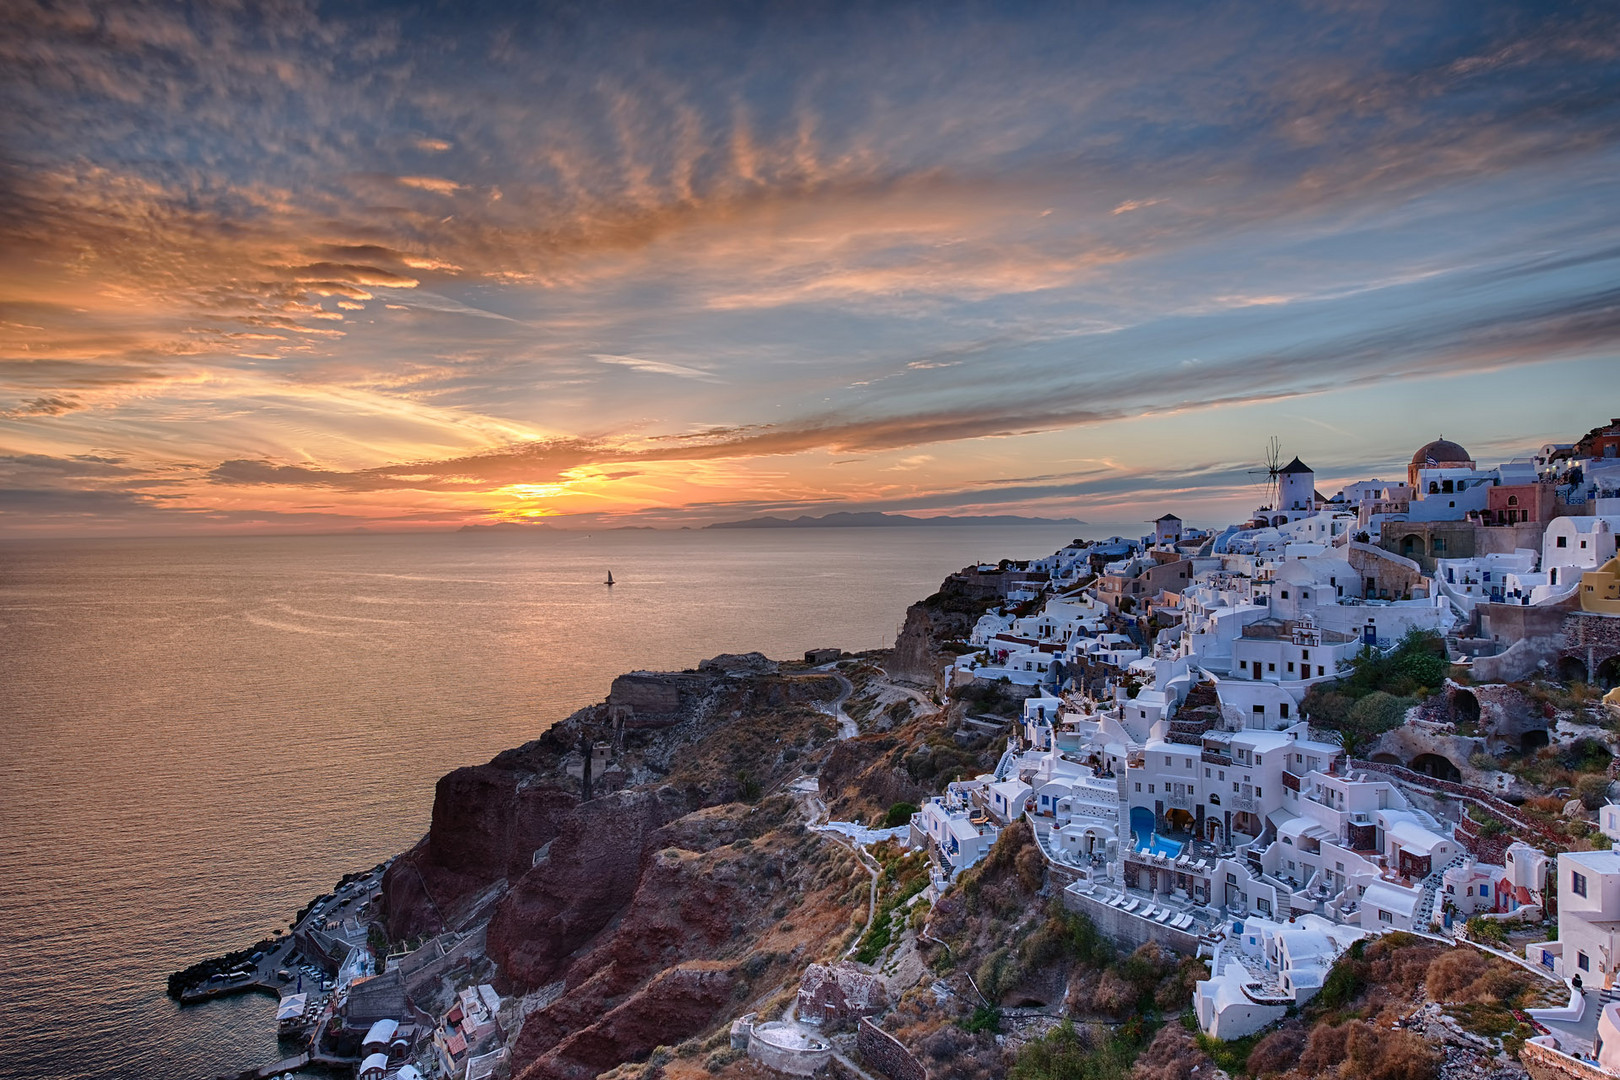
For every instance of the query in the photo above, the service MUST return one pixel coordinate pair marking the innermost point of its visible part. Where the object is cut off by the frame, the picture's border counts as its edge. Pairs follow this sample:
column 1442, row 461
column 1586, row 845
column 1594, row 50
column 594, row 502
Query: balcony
column 1181, row 801
column 1212, row 757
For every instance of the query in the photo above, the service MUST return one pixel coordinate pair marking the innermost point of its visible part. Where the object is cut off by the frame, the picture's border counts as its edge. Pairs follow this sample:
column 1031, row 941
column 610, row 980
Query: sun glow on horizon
column 1048, row 261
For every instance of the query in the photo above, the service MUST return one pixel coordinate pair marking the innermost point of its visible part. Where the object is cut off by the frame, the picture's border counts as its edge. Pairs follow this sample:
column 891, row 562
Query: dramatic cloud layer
column 314, row 266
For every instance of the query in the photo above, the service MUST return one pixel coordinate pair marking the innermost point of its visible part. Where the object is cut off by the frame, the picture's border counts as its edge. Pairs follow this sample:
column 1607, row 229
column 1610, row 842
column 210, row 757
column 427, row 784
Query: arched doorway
column 1178, row 820
column 1608, row 672
column 1572, row 669
column 1411, row 544
column 1434, row 765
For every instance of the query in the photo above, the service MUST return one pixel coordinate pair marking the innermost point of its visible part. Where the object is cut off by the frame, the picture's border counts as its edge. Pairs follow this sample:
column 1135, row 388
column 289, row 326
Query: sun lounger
column 1164, row 915
column 1185, row 922
column 1131, row 905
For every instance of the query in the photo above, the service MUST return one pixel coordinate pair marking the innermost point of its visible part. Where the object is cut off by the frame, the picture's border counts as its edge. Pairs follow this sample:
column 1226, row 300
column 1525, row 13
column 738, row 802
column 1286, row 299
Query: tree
column 1373, row 715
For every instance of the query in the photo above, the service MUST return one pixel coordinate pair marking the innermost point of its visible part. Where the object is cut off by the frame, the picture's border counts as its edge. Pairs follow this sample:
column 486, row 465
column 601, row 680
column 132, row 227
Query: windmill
column 1273, row 463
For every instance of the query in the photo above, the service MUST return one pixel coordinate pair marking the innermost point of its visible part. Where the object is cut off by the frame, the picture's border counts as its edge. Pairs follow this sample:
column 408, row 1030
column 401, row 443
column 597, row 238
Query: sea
column 199, row 735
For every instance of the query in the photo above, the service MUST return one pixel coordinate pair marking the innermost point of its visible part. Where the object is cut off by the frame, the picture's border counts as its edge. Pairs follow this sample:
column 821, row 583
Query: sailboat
column 610, row 579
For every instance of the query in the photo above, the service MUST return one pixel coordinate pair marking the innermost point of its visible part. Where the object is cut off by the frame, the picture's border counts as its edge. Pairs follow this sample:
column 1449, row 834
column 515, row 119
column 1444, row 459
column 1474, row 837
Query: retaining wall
column 883, row 1052
column 1127, row 931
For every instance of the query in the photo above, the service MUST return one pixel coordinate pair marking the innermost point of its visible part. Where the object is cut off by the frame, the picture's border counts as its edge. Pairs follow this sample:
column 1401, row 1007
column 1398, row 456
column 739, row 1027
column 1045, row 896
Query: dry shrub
column 1398, row 963
column 1453, row 975
column 1031, row 868
column 1114, row 995
column 1463, row 976
column 957, row 1053
column 1371, row 1054
column 1324, row 1049
column 1277, row 1052
column 1176, row 988
column 1082, row 991
column 1504, row 981
column 946, row 1042
column 1172, row 1055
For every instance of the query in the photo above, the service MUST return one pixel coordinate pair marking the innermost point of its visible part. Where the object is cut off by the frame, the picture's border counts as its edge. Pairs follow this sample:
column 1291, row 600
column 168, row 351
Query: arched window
column 1513, row 500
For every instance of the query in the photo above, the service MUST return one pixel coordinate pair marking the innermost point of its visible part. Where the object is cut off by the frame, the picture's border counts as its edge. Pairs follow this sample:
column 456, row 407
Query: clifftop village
column 1262, row 747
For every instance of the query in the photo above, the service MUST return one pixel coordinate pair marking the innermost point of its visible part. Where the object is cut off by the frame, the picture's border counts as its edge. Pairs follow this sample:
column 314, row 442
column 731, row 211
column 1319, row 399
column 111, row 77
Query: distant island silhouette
column 871, row 518
column 840, row 520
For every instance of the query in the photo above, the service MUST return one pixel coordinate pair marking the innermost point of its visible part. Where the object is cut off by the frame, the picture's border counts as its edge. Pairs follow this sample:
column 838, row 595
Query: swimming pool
column 1147, row 837
column 1158, row 845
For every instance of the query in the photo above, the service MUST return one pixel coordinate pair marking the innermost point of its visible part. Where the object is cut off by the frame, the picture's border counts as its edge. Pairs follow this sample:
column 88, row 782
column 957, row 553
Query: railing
column 1211, row 757
column 1181, row 801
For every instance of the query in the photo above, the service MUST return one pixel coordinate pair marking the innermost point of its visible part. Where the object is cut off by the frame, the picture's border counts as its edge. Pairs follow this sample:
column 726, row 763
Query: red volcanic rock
column 590, row 873
column 620, row 1001
column 680, row 1002
column 487, row 824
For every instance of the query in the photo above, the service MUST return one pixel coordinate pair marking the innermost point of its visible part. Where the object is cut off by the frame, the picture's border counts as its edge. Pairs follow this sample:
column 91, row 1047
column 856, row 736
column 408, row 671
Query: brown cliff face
column 676, row 1004
column 710, row 923
column 488, row 821
column 590, row 873
column 659, row 905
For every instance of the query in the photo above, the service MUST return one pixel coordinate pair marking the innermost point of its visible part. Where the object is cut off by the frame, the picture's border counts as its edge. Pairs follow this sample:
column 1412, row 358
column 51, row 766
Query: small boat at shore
column 610, row 579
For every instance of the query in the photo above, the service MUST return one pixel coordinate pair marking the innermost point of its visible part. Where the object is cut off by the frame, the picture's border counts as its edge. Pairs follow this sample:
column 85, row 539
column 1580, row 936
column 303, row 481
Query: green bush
column 1063, row 1055
column 899, row 814
column 984, row 1018
column 1343, row 983
column 1373, row 715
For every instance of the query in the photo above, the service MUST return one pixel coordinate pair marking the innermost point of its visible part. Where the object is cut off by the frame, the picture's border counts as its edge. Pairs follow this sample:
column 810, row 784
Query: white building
column 1588, row 942
column 1265, row 968
column 959, row 831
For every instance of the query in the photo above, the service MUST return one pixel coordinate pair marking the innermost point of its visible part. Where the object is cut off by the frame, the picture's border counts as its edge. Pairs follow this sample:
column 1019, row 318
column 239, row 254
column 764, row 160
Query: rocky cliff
column 656, row 898
column 643, row 871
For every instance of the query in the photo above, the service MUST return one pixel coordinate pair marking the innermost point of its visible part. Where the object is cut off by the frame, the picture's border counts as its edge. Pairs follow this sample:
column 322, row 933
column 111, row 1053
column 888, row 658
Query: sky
column 297, row 267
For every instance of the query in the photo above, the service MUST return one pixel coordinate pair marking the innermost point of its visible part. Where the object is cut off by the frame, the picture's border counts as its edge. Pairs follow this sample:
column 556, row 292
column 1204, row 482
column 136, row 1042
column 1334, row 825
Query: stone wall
column 840, row 992
column 1127, row 931
column 1487, row 849
column 463, row 954
column 883, row 1052
column 1592, row 640
column 1393, row 577
column 1545, row 1063
column 1540, row 628
column 646, row 699
column 1460, row 540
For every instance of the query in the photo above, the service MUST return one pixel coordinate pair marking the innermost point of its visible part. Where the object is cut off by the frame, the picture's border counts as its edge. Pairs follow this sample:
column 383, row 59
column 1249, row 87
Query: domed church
column 1439, row 454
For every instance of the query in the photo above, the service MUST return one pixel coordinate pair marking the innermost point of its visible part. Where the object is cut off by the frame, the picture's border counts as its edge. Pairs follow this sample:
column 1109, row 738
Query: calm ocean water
column 198, row 735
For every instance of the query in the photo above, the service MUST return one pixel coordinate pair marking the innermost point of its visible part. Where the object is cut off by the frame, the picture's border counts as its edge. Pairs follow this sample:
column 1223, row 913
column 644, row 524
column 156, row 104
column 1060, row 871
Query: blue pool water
column 1147, row 838
column 1157, row 844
